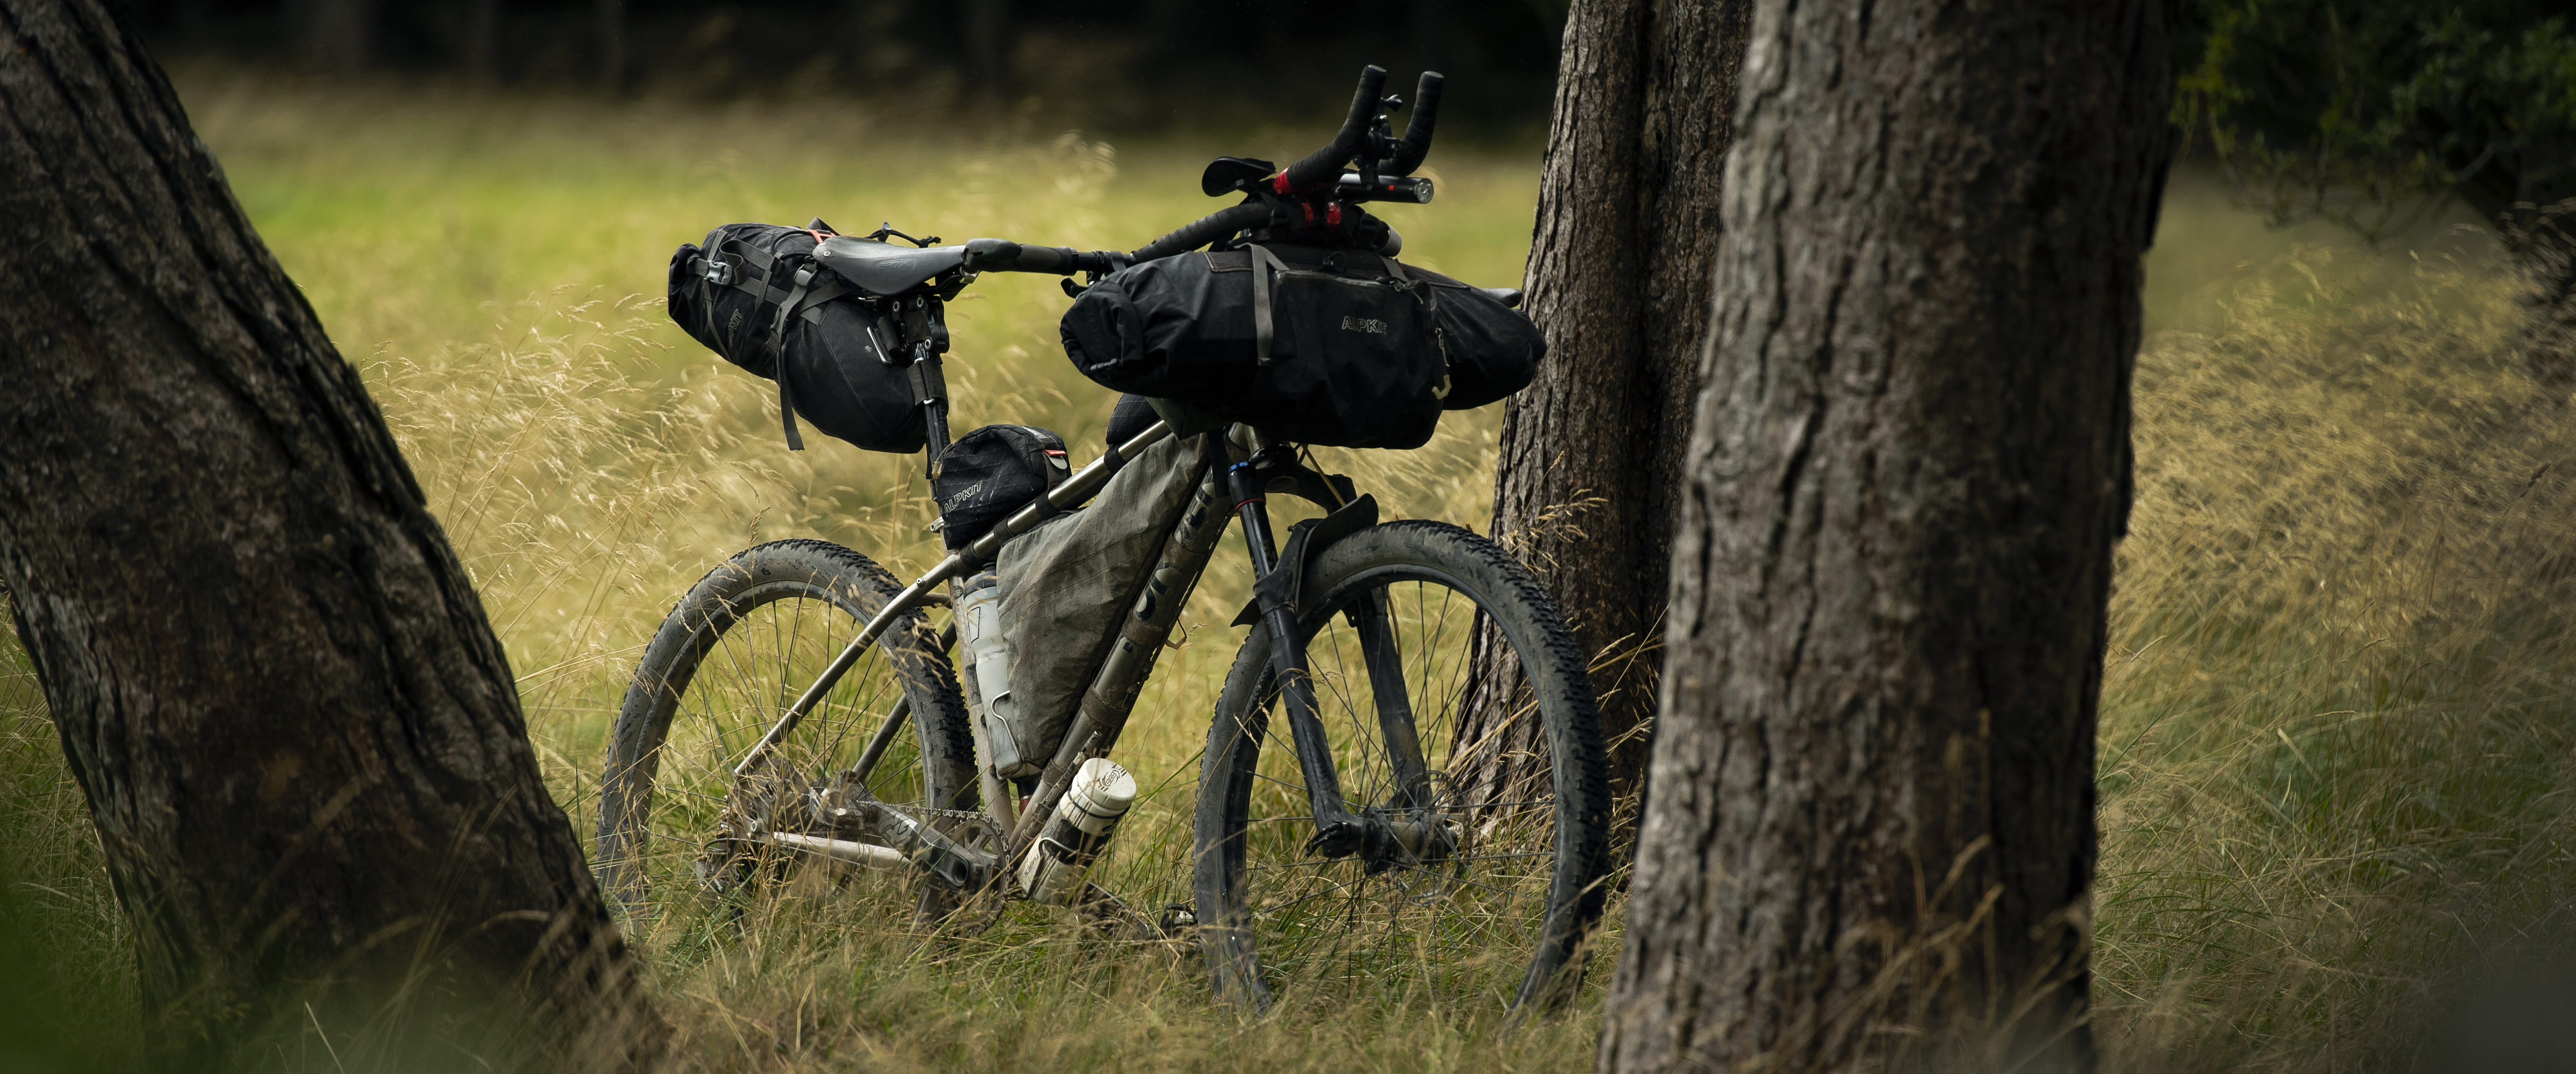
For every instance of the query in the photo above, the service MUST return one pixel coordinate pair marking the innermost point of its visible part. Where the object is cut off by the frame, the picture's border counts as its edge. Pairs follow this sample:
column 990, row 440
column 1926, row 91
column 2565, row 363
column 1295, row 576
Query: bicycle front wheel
column 1505, row 773
column 675, row 820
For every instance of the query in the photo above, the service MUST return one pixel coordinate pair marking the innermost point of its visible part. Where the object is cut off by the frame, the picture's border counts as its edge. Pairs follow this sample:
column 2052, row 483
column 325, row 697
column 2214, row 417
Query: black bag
column 736, row 294
column 991, row 472
column 1333, row 347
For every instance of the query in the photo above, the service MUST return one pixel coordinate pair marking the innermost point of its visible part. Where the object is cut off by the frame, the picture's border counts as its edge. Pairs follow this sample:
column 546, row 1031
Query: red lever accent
column 1333, row 214
column 1279, row 183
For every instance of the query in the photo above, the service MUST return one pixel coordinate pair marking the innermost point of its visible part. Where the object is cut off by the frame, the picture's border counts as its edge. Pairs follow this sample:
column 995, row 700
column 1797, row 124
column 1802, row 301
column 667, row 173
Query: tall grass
column 2335, row 755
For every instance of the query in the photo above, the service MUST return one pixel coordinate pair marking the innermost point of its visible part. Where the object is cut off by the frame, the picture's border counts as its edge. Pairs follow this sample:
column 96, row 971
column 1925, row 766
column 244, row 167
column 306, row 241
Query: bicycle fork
column 1384, row 837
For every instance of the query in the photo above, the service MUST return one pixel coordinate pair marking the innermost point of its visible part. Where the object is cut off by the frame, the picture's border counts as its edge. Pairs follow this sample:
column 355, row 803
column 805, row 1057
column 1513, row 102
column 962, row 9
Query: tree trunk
column 1871, row 840
column 1618, row 280
column 300, row 740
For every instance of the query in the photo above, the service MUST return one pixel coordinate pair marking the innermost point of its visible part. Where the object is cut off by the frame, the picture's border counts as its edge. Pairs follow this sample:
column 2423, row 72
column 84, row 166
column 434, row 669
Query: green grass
column 2336, row 741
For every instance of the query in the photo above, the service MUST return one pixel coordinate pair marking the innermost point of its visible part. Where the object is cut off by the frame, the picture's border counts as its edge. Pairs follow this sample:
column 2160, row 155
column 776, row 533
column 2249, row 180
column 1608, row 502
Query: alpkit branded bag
column 1334, row 347
column 991, row 472
column 754, row 295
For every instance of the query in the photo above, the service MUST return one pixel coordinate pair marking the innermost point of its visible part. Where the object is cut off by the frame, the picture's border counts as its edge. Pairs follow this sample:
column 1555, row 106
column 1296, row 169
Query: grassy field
column 2336, row 753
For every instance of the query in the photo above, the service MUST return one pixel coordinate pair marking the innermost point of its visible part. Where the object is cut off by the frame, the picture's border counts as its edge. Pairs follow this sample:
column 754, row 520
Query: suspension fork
column 1394, row 708
column 1337, row 831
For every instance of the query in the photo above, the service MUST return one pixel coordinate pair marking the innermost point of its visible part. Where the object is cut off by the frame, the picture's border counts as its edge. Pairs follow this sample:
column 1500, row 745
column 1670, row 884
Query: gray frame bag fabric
column 1065, row 584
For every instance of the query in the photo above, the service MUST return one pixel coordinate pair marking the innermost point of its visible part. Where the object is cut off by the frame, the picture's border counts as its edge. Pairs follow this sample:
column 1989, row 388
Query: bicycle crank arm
column 881, row 859
column 931, row 849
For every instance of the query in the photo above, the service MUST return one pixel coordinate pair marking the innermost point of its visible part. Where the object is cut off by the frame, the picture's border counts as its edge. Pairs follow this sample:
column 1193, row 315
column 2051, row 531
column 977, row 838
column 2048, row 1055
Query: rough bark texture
column 1618, row 279
column 1873, row 782
column 299, row 738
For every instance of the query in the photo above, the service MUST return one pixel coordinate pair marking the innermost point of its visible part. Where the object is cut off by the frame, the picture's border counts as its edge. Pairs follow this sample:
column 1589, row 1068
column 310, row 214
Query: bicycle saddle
column 881, row 268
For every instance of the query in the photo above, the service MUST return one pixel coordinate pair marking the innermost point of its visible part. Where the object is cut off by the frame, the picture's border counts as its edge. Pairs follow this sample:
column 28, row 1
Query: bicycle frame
column 1101, row 714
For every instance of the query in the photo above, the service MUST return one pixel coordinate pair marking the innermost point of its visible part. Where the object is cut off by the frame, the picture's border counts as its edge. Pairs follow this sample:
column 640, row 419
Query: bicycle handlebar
column 1204, row 230
column 1325, row 164
column 1319, row 169
column 1417, row 131
column 1003, row 255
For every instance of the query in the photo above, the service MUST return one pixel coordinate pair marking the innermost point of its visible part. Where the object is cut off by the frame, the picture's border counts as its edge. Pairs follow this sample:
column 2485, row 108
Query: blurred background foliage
column 2358, row 111
column 1119, row 68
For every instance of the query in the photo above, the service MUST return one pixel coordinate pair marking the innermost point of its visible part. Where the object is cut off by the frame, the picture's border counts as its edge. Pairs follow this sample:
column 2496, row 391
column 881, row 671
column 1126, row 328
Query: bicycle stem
column 1081, row 486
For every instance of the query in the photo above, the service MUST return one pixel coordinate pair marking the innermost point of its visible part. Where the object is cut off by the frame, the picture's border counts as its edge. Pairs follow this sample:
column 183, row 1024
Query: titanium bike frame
column 1101, row 715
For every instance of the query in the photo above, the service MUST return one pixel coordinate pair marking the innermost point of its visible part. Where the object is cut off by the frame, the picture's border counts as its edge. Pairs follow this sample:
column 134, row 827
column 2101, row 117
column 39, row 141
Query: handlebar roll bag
column 829, row 361
column 1334, row 347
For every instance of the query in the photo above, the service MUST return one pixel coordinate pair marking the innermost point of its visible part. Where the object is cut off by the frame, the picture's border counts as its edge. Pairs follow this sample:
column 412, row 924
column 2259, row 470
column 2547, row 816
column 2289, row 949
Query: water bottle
column 1054, row 869
column 979, row 626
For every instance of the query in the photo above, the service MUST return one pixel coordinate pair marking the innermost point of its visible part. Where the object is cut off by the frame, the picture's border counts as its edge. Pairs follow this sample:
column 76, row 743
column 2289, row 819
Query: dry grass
column 2335, row 755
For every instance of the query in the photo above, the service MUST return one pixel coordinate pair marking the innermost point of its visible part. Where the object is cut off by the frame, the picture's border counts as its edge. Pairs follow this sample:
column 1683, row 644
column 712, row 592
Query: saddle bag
column 755, row 296
column 1341, row 348
column 991, row 472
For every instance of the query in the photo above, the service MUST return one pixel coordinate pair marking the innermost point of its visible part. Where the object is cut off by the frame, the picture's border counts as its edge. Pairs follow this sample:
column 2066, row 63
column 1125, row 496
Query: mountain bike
column 1441, row 799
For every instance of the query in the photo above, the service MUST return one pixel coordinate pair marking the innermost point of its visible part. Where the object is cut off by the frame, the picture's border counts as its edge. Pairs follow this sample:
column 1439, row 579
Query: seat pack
column 757, row 295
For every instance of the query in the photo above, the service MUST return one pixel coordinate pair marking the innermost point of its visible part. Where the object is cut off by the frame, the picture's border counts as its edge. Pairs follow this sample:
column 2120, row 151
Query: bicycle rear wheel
column 745, row 642
column 1502, row 911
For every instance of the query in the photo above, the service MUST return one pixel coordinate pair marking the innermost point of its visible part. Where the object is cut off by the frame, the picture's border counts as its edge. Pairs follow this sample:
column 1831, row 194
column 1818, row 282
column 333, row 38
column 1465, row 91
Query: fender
column 1306, row 540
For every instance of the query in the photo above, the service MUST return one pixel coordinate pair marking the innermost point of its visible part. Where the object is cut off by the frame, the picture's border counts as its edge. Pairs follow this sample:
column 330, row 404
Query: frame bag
column 1339, row 348
column 754, row 295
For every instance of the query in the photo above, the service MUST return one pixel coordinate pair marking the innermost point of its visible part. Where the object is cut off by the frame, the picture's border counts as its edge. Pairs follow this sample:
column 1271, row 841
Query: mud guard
column 1305, row 540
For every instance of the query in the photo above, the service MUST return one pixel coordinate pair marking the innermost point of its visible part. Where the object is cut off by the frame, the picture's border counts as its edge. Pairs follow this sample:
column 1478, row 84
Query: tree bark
column 299, row 739
column 1618, row 280
column 1871, row 839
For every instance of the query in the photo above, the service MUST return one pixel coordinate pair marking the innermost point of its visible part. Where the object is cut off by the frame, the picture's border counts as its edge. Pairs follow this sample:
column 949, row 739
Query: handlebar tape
column 1326, row 163
column 1418, row 130
column 1204, row 230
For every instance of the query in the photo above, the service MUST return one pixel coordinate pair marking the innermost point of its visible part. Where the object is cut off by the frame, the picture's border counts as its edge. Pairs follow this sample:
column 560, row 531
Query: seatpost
column 1337, row 832
column 931, row 388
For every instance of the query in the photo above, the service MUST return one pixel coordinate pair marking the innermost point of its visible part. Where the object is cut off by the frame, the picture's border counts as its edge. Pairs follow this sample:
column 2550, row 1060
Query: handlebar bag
column 1341, row 348
column 991, row 472
column 754, row 295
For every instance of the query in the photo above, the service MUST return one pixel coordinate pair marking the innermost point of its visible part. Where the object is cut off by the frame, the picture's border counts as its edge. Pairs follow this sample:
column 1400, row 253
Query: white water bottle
column 1054, row 869
column 979, row 626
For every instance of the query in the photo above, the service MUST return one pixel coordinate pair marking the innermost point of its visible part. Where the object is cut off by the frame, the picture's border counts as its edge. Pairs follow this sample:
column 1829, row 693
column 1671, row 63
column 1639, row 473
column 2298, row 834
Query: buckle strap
column 1263, row 264
column 778, row 356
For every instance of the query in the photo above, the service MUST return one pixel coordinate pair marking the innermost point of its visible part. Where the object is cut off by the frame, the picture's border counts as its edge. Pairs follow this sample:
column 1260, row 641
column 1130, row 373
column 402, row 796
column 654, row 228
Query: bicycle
column 1422, row 813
